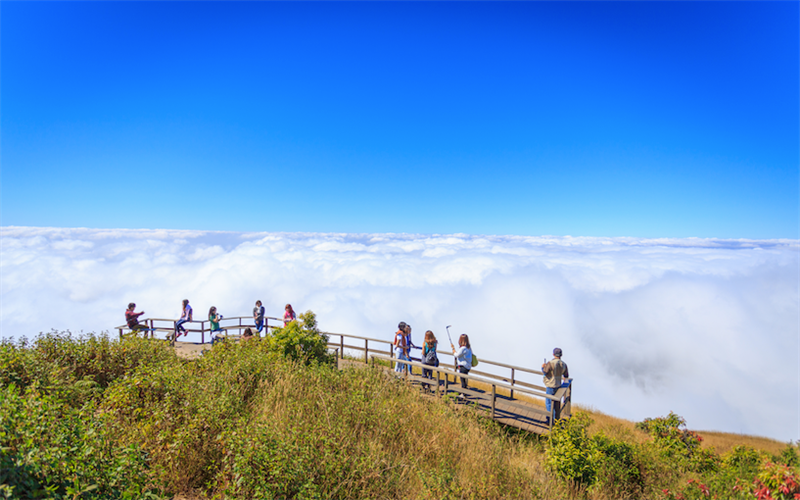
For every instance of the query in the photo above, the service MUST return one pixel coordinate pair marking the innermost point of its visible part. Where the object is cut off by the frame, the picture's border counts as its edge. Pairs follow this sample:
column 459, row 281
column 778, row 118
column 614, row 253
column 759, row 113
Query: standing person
column 186, row 317
column 429, row 353
column 258, row 316
column 409, row 343
column 132, row 319
column 554, row 371
column 288, row 315
column 400, row 348
column 214, row 319
column 463, row 357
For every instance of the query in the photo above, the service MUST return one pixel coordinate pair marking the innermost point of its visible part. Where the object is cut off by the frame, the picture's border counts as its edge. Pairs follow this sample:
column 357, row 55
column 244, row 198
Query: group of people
column 403, row 345
column 214, row 318
column 555, row 371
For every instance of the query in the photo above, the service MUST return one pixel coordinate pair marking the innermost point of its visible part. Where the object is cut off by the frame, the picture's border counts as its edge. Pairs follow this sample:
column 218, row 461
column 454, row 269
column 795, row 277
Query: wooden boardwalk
column 503, row 398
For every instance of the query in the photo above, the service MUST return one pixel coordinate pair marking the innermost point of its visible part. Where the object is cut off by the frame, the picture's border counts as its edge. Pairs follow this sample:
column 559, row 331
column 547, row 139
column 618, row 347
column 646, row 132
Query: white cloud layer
column 706, row 328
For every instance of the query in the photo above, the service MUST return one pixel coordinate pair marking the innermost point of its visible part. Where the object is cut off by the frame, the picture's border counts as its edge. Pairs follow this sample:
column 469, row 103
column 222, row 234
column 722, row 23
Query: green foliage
column 789, row 456
column 598, row 462
column 50, row 450
column 682, row 446
column 300, row 340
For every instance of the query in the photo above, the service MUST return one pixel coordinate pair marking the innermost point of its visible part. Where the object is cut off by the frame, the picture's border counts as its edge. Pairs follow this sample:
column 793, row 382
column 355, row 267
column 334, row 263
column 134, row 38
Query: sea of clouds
column 706, row 328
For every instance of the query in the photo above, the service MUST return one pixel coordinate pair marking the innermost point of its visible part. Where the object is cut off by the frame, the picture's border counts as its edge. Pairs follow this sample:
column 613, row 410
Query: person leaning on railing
column 216, row 332
column 258, row 316
column 553, row 371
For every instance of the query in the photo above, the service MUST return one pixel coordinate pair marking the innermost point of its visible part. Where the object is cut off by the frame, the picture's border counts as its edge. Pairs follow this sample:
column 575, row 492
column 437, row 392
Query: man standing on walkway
column 554, row 371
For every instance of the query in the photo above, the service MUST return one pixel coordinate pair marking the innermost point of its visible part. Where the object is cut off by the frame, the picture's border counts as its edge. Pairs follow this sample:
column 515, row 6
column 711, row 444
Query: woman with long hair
column 429, row 353
column 216, row 332
column 186, row 316
column 288, row 315
column 463, row 357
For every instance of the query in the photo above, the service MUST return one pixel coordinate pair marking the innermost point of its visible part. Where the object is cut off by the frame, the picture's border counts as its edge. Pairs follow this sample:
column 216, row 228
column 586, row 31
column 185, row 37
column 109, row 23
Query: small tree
column 300, row 340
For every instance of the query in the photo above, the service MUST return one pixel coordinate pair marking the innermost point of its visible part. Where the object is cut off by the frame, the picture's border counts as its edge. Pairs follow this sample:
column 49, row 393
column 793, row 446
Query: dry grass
column 724, row 441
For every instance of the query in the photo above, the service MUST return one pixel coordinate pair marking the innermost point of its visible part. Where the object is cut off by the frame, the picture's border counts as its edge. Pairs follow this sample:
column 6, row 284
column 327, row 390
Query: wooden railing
column 203, row 327
column 509, row 381
column 513, row 371
column 561, row 401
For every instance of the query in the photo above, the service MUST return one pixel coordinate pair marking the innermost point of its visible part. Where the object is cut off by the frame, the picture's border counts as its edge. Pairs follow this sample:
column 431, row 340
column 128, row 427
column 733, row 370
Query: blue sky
column 590, row 119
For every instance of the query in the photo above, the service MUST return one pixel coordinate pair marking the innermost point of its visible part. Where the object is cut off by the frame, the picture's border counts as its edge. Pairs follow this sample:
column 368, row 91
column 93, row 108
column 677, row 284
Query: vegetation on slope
column 273, row 418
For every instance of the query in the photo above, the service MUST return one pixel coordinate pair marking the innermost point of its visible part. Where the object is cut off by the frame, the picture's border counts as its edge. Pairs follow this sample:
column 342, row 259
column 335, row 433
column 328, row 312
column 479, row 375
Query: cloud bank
column 706, row 328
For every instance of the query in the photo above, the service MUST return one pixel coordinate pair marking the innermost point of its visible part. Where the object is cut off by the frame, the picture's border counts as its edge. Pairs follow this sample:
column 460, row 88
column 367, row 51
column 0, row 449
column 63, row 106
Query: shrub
column 675, row 442
column 300, row 340
column 598, row 462
column 776, row 482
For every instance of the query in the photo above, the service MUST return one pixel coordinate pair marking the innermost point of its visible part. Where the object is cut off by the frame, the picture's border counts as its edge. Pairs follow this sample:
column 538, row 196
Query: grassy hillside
column 94, row 418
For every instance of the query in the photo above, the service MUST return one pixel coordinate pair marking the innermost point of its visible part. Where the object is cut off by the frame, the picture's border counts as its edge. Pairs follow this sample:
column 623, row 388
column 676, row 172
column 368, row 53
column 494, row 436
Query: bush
column 597, row 462
column 300, row 340
column 678, row 444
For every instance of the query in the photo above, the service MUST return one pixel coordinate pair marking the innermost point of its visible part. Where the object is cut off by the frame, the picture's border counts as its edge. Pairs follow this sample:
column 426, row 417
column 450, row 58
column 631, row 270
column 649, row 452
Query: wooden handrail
column 468, row 377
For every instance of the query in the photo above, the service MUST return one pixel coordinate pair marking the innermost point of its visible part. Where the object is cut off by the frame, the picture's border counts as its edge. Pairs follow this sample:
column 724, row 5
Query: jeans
column 399, row 367
column 465, row 371
column 552, row 392
column 179, row 327
column 259, row 325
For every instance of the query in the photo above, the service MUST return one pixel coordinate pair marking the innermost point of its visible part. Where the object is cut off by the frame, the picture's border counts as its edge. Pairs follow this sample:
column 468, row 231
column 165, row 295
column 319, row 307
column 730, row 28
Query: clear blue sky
column 588, row 119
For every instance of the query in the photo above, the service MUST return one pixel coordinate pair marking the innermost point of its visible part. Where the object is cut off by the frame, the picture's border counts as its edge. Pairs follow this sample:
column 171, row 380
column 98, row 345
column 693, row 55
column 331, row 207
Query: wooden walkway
column 504, row 398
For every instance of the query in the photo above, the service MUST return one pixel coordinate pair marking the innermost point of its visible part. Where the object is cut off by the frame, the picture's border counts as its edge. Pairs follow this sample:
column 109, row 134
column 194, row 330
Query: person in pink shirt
column 289, row 315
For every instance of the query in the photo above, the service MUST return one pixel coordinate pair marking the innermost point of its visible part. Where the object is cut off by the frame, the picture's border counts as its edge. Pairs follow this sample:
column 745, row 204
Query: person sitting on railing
column 258, row 316
column 463, row 357
column 554, row 371
column 186, row 316
column 288, row 315
column 216, row 332
column 429, row 353
column 132, row 318
column 400, row 347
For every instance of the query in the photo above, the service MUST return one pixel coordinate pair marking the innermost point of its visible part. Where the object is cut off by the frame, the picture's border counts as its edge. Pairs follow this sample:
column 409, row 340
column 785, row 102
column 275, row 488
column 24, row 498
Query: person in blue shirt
column 463, row 357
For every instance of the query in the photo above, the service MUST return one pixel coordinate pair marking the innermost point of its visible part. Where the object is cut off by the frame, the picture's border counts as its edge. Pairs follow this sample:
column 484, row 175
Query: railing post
column 120, row 333
column 152, row 330
column 494, row 394
column 438, row 377
column 512, row 383
column 341, row 343
column 366, row 350
column 174, row 332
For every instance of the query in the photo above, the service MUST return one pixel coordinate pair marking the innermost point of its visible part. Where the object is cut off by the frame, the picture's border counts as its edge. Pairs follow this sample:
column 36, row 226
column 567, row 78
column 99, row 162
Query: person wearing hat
column 554, row 371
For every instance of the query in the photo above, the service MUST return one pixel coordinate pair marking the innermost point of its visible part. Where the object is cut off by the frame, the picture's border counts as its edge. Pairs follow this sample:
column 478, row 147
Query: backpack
column 430, row 358
column 474, row 360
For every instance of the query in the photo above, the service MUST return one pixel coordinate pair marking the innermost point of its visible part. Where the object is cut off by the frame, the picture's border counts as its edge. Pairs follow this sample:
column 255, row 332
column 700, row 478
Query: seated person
column 132, row 319
column 248, row 334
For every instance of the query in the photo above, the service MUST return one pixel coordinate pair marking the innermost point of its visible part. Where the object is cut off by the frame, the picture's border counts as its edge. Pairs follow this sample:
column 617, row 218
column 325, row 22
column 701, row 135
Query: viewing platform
column 503, row 392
